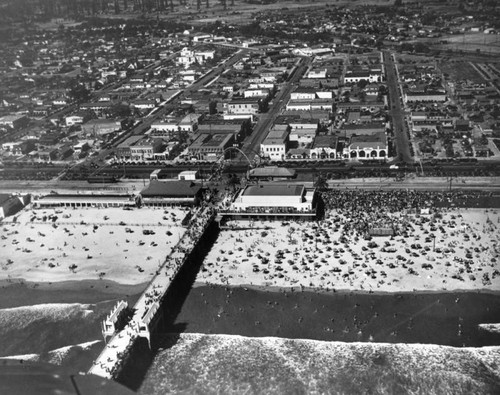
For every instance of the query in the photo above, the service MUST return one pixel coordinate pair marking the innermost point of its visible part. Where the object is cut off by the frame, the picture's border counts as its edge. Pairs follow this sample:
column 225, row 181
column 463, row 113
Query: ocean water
column 206, row 364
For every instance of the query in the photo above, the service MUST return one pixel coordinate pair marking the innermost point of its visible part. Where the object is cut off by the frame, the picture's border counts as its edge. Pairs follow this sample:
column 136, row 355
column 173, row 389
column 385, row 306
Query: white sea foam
column 19, row 317
column 56, row 356
column 235, row 362
column 495, row 328
column 24, row 357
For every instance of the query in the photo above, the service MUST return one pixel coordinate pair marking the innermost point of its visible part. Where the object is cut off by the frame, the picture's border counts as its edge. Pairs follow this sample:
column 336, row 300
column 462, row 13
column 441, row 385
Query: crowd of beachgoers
column 368, row 241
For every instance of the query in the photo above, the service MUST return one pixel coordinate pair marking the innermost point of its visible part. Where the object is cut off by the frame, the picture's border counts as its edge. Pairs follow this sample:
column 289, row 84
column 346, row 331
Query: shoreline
column 21, row 293
column 273, row 288
column 114, row 288
column 106, row 286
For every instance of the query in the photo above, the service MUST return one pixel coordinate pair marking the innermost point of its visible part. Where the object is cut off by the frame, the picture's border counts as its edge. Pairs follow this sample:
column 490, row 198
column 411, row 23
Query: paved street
column 396, row 110
column 252, row 145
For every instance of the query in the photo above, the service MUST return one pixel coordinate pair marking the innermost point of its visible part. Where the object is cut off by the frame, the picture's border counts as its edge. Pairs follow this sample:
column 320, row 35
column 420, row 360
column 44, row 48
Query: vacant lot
column 461, row 71
column 472, row 42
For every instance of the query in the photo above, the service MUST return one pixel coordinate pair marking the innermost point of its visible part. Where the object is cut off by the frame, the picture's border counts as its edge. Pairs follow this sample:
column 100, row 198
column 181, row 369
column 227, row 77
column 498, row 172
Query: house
column 187, row 57
column 75, row 119
column 19, row 148
column 47, row 155
column 144, row 104
column 100, row 109
column 14, row 121
column 356, row 76
column 102, row 126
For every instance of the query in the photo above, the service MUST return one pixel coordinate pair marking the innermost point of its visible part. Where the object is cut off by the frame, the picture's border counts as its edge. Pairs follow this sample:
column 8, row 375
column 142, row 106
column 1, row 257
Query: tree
column 120, row 110
column 212, row 107
column 233, row 180
column 79, row 93
column 321, row 183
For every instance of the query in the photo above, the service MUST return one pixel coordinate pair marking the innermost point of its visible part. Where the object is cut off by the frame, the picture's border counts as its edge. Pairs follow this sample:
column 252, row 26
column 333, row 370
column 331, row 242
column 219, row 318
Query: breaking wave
column 197, row 363
column 57, row 356
column 22, row 316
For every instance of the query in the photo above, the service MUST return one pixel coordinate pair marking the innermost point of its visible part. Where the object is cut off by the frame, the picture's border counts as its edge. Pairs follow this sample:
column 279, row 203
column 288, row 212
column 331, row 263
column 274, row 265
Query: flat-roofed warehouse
column 274, row 201
column 271, row 173
column 168, row 193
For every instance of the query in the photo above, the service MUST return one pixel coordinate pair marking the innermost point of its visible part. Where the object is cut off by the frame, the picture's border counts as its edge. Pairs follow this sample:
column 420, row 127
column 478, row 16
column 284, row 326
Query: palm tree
column 321, row 183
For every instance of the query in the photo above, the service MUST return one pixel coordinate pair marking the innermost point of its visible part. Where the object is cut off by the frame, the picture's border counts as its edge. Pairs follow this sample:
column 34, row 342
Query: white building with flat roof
column 275, row 144
column 277, row 199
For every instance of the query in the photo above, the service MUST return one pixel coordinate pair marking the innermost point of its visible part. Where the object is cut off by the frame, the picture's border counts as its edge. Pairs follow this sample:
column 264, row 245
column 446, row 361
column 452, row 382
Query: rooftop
column 211, row 140
column 272, row 171
column 171, row 189
column 273, row 190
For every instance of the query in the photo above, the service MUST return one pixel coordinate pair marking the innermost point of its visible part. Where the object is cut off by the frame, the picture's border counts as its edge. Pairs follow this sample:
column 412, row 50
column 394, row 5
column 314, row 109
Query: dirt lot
column 460, row 70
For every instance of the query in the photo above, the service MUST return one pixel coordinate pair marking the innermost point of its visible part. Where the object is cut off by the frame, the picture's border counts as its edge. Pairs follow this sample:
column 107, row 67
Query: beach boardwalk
column 147, row 312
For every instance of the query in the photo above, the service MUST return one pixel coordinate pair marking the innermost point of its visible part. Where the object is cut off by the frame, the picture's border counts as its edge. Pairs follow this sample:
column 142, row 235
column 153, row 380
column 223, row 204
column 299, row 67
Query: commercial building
column 271, row 173
column 275, row 144
column 324, row 147
column 242, row 107
column 102, row 126
column 210, row 146
column 170, row 193
column 10, row 205
column 82, row 200
column 273, row 201
column 367, row 147
column 415, row 96
column 146, row 149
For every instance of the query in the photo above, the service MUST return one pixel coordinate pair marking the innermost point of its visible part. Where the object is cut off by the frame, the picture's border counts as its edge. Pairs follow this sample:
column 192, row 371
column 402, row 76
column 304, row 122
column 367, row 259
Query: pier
column 146, row 313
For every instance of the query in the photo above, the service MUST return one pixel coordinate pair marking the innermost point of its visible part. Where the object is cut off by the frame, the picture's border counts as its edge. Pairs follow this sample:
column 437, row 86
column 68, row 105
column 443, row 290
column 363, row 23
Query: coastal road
column 396, row 111
column 486, row 184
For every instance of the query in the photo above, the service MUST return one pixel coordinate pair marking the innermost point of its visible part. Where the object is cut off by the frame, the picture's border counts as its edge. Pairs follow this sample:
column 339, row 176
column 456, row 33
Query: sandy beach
column 57, row 245
column 447, row 249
